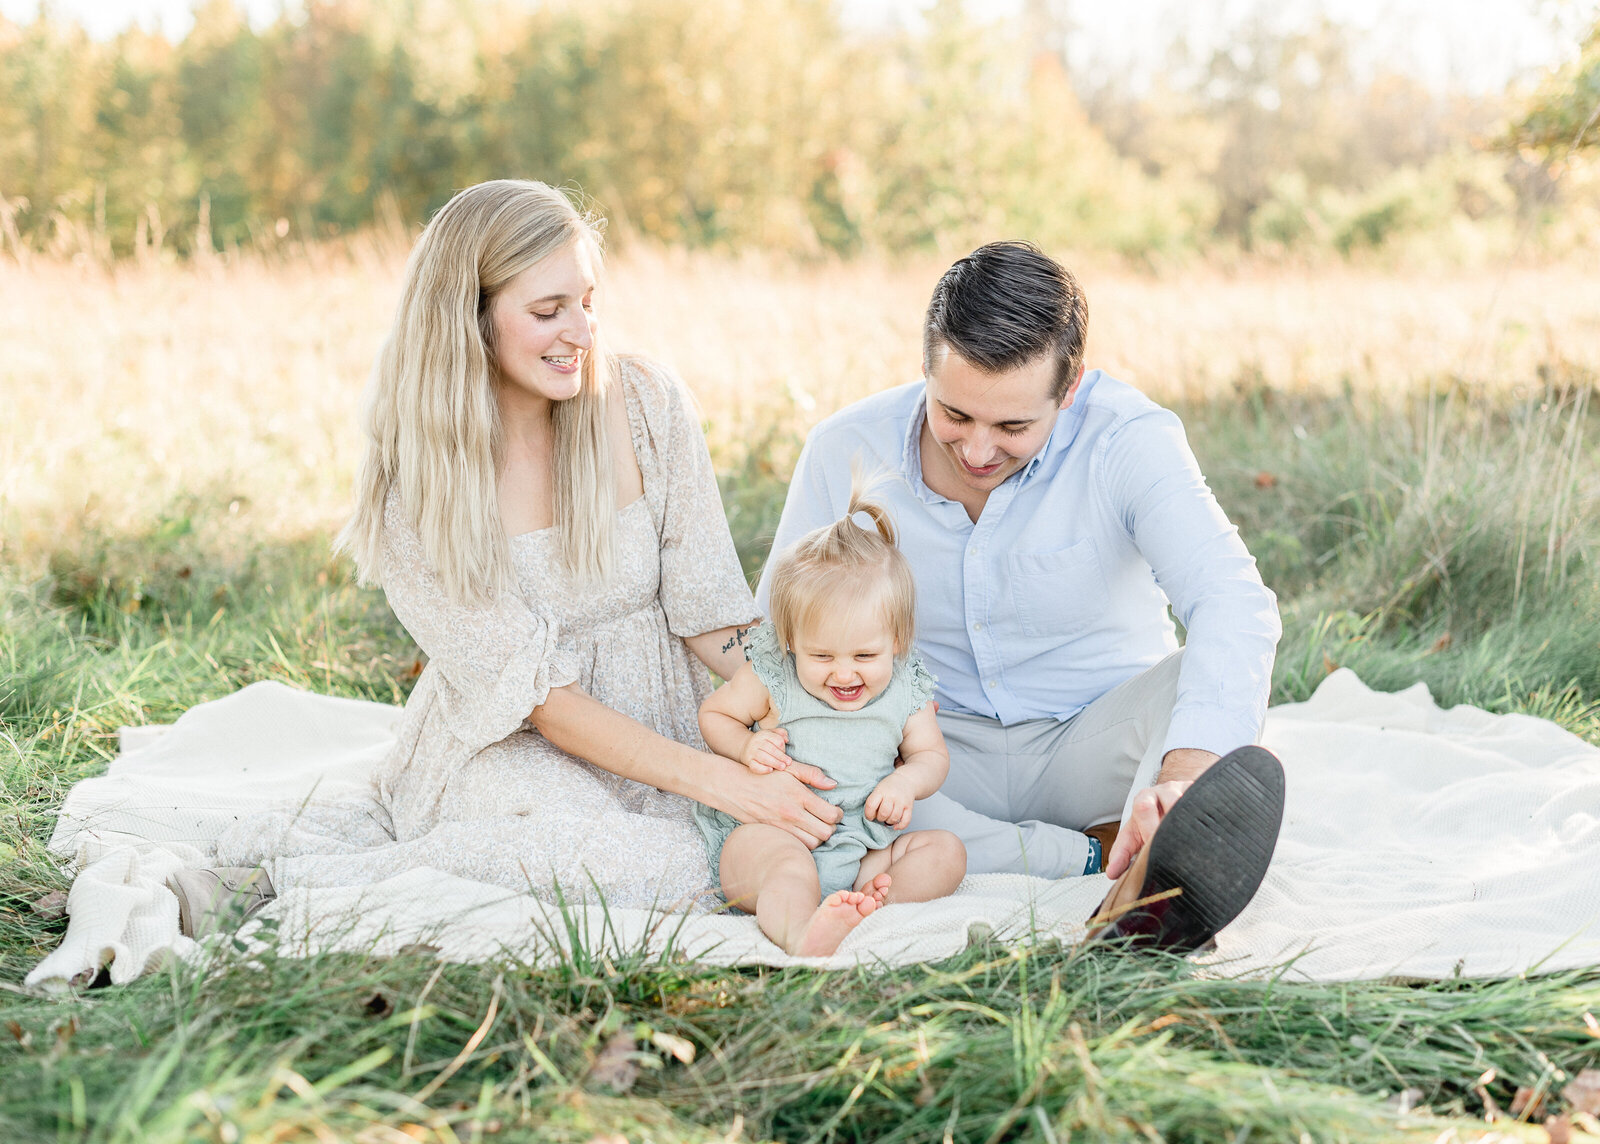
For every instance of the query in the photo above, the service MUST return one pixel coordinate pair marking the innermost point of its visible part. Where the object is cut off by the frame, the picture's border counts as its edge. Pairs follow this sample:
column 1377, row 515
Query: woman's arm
column 583, row 726
column 721, row 650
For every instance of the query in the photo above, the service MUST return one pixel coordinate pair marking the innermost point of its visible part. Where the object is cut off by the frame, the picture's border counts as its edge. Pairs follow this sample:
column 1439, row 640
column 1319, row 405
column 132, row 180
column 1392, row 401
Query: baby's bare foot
column 878, row 888
column 838, row 914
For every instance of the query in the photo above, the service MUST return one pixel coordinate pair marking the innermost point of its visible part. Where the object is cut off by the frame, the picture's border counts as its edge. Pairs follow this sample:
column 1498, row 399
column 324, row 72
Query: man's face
column 986, row 426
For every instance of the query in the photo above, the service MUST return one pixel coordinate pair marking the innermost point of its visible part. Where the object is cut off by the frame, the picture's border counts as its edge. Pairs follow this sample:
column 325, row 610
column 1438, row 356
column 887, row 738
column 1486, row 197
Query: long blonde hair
column 432, row 418
column 845, row 561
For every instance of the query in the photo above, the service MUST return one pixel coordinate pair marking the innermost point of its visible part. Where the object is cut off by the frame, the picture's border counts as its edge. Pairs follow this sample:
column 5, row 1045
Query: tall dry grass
column 125, row 390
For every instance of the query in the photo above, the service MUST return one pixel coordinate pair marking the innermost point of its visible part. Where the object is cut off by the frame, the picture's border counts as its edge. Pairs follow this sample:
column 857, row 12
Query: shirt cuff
column 1211, row 730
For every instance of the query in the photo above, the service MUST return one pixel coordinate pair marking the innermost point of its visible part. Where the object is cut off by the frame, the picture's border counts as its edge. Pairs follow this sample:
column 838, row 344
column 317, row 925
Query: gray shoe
column 210, row 901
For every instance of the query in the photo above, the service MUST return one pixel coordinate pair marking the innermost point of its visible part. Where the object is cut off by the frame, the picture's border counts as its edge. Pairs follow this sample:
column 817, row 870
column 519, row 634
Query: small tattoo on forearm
column 737, row 640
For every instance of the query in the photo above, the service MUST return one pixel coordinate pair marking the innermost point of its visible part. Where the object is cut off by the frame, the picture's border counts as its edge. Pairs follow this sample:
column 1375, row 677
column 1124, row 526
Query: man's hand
column 890, row 801
column 765, row 751
column 1179, row 768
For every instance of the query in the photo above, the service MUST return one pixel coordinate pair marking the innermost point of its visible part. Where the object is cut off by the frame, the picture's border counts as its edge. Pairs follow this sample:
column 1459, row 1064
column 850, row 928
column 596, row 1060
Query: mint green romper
column 856, row 749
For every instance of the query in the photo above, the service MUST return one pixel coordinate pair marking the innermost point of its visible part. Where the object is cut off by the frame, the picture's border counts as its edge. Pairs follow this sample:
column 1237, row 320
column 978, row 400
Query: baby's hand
column 764, row 752
column 890, row 801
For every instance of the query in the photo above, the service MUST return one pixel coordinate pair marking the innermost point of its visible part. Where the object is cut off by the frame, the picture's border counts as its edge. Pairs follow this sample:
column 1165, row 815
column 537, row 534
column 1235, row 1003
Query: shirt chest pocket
column 1057, row 594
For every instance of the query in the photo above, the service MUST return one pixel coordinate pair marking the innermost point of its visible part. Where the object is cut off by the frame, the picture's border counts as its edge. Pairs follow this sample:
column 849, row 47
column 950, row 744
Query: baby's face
column 847, row 659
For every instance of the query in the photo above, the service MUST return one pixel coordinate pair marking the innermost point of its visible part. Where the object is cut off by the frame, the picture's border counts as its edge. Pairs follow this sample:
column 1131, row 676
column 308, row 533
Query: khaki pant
column 1020, row 796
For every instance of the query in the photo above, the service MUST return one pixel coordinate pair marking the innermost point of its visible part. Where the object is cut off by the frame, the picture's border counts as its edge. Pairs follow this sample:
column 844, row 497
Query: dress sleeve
column 702, row 586
column 493, row 663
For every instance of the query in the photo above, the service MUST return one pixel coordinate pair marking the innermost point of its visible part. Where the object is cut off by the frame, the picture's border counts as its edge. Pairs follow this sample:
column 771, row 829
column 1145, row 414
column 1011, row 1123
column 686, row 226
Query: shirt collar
column 911, row 450
column 1065, row 430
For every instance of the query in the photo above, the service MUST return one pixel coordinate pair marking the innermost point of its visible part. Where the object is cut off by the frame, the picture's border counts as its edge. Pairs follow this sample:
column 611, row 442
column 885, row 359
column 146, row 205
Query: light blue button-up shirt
column 1061, row 588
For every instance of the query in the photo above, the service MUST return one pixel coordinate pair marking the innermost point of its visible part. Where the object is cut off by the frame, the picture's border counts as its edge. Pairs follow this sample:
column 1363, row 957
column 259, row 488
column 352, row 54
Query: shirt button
column 989, row 684
column 977, row 627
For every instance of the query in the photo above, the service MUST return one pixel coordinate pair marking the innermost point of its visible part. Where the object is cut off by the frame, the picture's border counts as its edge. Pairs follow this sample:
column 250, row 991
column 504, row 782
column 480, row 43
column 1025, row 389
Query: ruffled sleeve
column 702, row 586
column 493, row 664
column 763, row 652
column 917, row 684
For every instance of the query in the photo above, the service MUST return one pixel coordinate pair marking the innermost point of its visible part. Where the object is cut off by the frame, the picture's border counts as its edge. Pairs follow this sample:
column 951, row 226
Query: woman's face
column 544, row 324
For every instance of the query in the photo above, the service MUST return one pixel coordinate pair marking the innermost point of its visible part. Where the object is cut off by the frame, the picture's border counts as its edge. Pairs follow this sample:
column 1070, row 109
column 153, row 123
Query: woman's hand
column 784, row 799
column 765, row 751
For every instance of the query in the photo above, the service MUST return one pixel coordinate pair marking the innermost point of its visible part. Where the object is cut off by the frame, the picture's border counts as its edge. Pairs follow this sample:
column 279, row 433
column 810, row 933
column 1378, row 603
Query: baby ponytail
column 855, row 559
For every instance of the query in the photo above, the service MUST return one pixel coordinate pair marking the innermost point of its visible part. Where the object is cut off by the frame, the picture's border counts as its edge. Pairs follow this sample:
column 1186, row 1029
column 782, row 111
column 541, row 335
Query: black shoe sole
column 1214, row 847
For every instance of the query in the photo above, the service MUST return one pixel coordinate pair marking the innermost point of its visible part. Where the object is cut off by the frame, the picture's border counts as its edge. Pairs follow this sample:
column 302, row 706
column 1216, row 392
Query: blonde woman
column 545, row 522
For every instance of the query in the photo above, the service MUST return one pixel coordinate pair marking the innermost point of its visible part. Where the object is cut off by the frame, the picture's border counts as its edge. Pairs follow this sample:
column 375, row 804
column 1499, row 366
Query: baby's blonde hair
column 844, row 561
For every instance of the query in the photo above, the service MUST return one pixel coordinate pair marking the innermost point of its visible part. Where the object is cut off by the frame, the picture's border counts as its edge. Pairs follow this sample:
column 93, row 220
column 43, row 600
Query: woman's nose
column 581, row 332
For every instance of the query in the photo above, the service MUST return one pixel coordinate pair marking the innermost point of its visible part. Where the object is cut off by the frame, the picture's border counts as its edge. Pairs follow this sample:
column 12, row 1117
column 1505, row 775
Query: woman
column 546, row 524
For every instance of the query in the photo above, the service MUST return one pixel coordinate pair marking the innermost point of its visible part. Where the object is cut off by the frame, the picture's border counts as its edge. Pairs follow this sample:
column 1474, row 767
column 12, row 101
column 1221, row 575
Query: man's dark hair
column 1002, row 306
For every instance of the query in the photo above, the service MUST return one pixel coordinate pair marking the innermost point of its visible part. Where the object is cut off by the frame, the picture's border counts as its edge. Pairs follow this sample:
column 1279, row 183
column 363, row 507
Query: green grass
column 1385, row 528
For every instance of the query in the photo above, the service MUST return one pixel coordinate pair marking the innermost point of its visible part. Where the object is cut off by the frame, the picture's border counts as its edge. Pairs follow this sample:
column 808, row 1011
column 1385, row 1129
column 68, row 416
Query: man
column 1051, row 516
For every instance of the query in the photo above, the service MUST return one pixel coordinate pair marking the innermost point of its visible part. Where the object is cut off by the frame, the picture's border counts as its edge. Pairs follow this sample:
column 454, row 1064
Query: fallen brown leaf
column 1558, row 1129
column 1265, row 480
column 1583, row 1094
column 53, row 905
column 1328, row 666
column 1442, row 642
column 615, row 1067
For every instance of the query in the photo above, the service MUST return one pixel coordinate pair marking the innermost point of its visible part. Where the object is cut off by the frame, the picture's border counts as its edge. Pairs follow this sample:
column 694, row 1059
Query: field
column 1411, row 454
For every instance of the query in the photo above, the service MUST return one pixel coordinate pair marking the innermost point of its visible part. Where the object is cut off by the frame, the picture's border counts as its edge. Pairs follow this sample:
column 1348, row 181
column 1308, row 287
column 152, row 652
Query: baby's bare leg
column 770, row 873
column 920, row 866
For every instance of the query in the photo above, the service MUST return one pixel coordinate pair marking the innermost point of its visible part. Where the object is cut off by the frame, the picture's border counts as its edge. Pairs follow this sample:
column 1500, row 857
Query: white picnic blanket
column 1417, row 842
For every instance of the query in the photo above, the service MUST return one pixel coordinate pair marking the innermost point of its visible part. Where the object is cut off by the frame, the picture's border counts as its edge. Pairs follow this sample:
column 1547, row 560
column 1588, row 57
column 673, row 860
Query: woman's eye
column 543, row 317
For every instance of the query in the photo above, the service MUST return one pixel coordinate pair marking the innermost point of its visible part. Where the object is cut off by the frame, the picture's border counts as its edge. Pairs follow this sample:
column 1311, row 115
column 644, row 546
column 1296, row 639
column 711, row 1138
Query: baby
column 833, row 681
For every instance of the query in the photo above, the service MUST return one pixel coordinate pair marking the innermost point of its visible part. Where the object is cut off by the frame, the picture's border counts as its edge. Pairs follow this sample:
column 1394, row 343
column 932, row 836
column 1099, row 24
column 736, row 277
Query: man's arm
column 1229, row 616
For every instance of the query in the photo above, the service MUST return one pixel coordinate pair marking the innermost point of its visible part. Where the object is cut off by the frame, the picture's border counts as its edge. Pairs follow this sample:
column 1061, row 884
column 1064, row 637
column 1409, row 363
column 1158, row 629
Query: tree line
column 739, row 124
